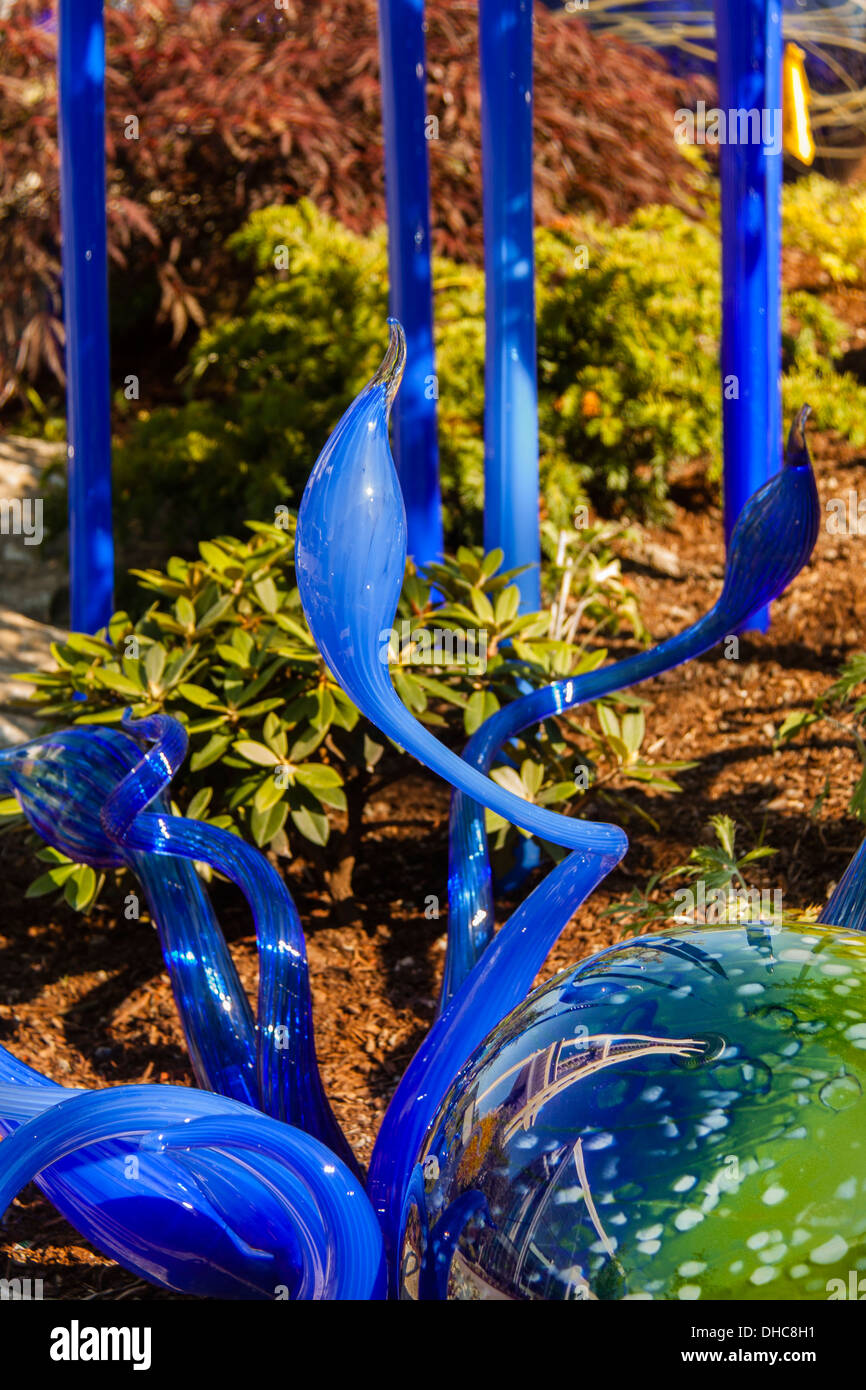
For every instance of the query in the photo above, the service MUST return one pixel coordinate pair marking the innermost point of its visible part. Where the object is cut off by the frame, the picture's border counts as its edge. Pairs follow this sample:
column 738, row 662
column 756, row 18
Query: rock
column 657, row 557
column 24, row 645
column 30, row 574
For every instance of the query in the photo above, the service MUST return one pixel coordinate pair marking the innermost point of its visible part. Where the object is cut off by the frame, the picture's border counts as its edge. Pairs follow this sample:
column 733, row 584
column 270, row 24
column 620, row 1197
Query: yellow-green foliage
column 828, row 220
column 628, row 341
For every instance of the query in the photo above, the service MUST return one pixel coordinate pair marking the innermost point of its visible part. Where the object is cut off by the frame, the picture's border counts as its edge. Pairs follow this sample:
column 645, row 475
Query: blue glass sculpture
column 208, row 1222
column 774, row 538
column 513, row 1160
column 349, row 596
column 86, row 792
column 405, row 127
column 193, row 1191
column 81, row 129
column 505, row 55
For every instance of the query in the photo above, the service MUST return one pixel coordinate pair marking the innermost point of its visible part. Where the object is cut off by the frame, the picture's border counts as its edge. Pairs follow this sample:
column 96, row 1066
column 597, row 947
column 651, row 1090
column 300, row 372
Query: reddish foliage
column 240, row 104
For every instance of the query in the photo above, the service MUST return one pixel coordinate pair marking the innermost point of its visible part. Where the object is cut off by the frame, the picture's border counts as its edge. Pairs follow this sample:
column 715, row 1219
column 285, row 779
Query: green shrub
column 827, row 220
column 628, row 340
column 627, row 352
column 279, row 753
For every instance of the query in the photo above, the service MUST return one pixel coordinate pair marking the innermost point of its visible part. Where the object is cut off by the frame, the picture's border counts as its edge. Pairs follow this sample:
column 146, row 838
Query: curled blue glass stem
column 349, row 594
column 773, row 539
column 289, row 1084
column 63, row 783
column 291, row 1206
column 86, row 791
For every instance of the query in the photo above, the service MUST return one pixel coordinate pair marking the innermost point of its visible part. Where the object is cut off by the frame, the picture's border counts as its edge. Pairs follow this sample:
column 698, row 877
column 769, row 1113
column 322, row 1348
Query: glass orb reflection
column 680, row 1117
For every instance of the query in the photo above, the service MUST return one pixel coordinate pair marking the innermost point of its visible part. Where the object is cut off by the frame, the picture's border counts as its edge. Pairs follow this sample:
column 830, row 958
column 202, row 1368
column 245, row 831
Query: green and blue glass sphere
column 679, row 1117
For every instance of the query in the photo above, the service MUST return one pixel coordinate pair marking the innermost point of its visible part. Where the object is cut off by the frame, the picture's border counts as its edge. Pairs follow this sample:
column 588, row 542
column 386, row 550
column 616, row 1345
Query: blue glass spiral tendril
column 349, row 595
column 773, row 539
column 85, row 792
column 296, row 1214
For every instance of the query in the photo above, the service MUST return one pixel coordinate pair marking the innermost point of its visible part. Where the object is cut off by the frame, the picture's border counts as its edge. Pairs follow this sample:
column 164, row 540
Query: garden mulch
column 88, row 1001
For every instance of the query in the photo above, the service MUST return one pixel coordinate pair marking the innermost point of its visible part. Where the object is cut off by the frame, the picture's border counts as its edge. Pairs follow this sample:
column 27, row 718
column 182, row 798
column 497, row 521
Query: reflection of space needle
column 533, row 1212
column 548, row 1074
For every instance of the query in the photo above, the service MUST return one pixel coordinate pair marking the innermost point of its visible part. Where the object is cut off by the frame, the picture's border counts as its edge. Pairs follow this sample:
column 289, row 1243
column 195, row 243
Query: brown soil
column 88, row 1003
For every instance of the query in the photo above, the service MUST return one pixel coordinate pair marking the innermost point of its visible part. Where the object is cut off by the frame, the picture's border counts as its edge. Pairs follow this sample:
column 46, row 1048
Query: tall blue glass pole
column 81, row 74
column 749, row 46
column 407, row 194
column 511, row 390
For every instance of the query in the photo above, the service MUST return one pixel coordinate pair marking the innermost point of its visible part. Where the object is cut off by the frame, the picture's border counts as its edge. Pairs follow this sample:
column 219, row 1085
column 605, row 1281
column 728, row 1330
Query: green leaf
column 83, row 645
column 264, row 825
column 313, row 825
column 306, row 744
column 507, row 604
column 256, row 752
column 326, row 708
column 210, row 753
column 80, row 888
column 50, row 882
column 509, row 778
column 185, row 612
column 332, row 796
column 560, row 791
column 618, row 748
column 372, row 752
column 216, row 612
column 268, row 794
column 482, row 607
column 115, row 680
column 794, row 721
column 274, row 736
column 646, row 773
column 479, row 707
column 317, row 776
column 154, row 663
column 491, row 562
column 213, row 555
column 49, row 855
column 346, row 715
column 266, row 593
column 199, row 803
column 532, row 776
column 198, row 695
column 725, row 832
column 633, row 730
column 409, row 690
column 609, row 722
column 760, row 852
